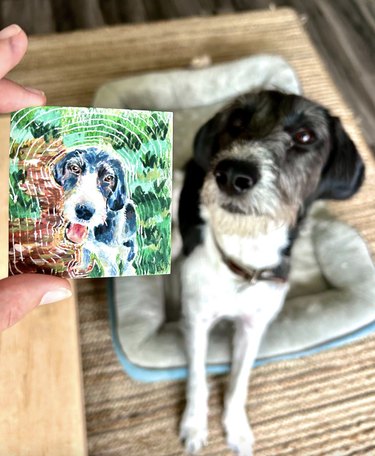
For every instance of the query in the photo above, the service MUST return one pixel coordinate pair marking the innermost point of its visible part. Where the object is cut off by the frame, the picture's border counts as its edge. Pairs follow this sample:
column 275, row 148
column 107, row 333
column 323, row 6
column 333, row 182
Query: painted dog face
column 94, row 184
column 270, row 154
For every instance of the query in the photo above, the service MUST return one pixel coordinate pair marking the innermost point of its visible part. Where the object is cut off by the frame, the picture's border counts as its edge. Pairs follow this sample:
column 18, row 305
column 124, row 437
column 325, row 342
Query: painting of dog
column 90, row 192
column 97, row 207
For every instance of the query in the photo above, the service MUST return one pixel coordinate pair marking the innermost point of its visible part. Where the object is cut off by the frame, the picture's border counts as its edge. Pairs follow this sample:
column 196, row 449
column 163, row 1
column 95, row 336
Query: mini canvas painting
column 90, row 192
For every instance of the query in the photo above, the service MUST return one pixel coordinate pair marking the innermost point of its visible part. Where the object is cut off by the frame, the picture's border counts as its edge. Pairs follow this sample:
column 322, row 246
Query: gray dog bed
column 332, row 296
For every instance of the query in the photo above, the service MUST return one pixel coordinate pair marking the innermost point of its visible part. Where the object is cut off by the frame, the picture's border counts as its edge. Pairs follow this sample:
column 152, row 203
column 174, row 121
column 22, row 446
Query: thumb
column 20, row 294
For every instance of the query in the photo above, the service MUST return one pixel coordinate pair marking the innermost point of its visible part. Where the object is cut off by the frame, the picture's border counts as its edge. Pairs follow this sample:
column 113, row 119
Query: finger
column 13, row 96
column 13, row 45
column 20, row 294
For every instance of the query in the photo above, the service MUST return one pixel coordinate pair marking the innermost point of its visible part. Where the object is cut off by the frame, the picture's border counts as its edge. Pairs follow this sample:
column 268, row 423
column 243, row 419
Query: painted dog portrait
column 90, row 192
column 98, row 211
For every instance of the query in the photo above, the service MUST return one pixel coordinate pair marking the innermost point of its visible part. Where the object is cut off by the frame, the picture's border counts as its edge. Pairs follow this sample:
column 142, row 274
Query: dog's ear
column 130, row 229
column 117, row 200
column 205, row 141
column 131, row 220
column 344, row 171
column 59, row 171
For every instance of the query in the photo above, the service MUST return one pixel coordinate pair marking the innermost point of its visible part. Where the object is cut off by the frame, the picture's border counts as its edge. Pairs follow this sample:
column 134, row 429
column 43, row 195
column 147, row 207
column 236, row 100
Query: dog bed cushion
column 332, row 296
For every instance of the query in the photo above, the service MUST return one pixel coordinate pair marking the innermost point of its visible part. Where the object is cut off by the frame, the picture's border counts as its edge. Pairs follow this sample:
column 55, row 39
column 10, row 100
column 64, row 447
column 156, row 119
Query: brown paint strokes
column 39, row 245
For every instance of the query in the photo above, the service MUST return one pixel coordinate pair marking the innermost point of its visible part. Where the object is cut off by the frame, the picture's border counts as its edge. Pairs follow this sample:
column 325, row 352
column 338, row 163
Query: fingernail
column 56, row 295
column 8, row 32
column 35, row 91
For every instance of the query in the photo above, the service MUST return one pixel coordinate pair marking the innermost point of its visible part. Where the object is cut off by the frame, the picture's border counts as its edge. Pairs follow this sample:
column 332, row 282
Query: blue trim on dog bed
column 145, row 374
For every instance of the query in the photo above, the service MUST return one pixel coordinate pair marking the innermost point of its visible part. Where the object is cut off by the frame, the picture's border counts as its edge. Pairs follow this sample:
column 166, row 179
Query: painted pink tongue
column 76, row 233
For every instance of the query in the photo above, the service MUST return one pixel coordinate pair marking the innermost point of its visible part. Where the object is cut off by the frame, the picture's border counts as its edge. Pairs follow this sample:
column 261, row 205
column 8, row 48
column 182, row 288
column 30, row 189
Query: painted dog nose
column 236, row 177
column 84, row 211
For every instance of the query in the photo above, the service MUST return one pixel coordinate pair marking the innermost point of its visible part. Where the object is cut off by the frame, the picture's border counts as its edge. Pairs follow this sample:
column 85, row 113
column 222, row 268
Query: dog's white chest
column 211, row 291
column 260, row 252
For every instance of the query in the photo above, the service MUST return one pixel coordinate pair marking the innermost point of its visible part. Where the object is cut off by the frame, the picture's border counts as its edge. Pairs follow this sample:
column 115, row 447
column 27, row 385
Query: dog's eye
column 75, row 169
column 109, row 178
column 304, row 136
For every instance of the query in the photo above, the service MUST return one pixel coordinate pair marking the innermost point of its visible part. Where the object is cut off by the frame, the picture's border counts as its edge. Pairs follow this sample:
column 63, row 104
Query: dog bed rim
column 148, row 375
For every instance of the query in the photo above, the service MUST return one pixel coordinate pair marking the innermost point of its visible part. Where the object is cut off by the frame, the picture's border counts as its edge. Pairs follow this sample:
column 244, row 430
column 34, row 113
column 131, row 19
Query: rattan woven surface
column 321, row 405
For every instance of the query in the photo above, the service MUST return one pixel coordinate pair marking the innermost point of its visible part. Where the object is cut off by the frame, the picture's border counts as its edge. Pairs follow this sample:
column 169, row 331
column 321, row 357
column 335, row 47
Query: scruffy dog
column 97, row 207
column 258, row 165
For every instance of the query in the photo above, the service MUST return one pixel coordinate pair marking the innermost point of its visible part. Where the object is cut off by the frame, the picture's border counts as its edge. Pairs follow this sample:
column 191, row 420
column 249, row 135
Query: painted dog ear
column 131, row 220
column 59, row 171
column 205, row 142
column 117, row 199
column 130, row 230
column 344, row 171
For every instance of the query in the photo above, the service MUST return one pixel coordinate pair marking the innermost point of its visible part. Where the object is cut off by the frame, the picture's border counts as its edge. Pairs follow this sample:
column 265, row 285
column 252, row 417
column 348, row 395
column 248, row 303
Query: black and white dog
column 258, row 165
column 99, row 213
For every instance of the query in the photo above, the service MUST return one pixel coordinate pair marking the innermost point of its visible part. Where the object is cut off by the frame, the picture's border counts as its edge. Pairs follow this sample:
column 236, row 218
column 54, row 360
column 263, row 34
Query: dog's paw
column 193, row 432
column 239, row 434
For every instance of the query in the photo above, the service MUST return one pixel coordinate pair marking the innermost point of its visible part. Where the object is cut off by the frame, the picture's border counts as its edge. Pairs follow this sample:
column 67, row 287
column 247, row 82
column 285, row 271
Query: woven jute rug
column 320, row 405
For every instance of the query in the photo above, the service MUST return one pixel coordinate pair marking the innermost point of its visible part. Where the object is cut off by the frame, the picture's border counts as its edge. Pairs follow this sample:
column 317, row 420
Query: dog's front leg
column 193, row 429
column 238, row 431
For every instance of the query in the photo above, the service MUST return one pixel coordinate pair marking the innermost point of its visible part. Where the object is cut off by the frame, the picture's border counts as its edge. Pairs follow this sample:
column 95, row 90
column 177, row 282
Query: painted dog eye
column 109, row 178
column 304, row 136
column 75, row 169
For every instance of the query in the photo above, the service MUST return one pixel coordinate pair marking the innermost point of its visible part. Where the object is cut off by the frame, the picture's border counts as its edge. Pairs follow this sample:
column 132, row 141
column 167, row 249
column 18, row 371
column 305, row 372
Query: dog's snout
column 236, row 177
column 84, row 211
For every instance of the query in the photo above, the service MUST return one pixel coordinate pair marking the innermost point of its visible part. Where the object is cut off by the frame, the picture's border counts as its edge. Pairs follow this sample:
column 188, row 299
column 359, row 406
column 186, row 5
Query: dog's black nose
column 236, row 177
column 84, row 211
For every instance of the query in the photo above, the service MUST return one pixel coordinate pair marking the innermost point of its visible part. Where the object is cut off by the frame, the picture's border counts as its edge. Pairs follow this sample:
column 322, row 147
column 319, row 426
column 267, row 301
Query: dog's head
column 94, row 184
column 271, row 154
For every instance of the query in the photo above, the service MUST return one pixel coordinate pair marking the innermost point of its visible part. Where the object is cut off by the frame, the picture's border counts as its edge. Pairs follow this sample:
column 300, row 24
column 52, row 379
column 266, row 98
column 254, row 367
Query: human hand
column 20, row 294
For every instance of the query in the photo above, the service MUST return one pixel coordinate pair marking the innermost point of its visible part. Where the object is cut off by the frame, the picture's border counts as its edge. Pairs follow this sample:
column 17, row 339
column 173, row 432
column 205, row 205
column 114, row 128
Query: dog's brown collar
column 278, row 274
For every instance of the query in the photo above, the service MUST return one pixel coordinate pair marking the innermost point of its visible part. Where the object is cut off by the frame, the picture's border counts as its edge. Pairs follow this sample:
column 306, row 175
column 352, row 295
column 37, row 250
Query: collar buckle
column 254, row 276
